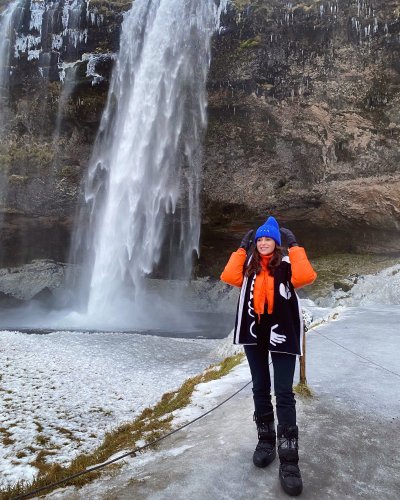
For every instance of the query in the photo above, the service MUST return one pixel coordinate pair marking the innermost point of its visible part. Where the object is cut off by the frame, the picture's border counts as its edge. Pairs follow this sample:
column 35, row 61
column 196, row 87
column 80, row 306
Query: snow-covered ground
column 64, row 390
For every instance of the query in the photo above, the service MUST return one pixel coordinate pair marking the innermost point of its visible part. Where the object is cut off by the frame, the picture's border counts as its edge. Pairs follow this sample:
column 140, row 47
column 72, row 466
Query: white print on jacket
column 251, row 308
column 276, row 338
column 285, row 291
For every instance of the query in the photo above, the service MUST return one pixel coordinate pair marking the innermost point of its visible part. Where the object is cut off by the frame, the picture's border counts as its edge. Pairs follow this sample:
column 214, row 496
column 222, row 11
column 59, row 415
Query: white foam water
column 142, row 190
column 9, row 18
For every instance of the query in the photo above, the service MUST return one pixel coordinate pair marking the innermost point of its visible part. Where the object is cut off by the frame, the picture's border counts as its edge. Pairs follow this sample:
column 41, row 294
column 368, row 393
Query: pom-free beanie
column 270, row 229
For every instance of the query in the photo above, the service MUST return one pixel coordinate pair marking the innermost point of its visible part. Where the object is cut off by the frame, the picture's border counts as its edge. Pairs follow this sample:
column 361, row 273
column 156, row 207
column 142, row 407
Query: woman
column 269, row 320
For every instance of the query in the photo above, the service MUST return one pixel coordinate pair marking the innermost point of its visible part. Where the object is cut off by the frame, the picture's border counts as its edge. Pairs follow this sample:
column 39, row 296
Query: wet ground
column 348, row 430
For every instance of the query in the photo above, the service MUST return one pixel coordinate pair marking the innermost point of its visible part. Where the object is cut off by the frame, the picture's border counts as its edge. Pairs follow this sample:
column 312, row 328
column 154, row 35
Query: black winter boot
column 288, row 451
column 289, row 472
column 265, row 451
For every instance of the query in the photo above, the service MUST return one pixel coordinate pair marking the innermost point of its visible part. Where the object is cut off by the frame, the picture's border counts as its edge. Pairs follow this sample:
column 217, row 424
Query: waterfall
column 142, row 190
column 8, row 20
column 68, row 87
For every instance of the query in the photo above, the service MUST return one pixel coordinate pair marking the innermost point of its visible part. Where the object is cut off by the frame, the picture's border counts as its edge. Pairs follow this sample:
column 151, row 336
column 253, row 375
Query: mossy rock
column 22, row 155
column 70, row 172
column 17, row 179
column 110, row 8
column 250, row 43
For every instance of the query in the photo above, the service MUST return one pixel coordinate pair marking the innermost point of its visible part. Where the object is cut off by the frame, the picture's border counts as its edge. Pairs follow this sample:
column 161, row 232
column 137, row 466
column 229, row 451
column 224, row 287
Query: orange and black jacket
column 271, row 296
column 302, row 274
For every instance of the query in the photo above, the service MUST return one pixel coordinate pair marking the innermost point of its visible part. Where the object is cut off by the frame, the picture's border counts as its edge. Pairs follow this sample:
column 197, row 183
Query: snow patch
column 65, row 390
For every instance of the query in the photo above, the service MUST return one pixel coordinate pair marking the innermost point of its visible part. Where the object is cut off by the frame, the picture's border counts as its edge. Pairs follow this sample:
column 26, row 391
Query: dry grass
column 302, row 389
column 151, row 424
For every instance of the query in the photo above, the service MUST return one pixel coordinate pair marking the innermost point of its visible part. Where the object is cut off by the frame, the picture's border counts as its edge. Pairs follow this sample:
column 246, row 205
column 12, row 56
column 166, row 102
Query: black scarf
column 283, row 329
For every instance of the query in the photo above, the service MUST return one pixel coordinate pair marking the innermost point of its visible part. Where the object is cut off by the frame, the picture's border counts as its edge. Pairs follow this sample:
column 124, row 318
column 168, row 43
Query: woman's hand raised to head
column 290, row 237
column 247, row 240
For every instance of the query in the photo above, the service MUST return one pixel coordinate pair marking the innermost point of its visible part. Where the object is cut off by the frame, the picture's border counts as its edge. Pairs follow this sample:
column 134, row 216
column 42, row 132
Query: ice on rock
column 57, row 42
column 33, row 54
column 42, row 12
column 91, row 68
column 26, row 44
column 77, row 36
column 370, row 290
column 37, row 11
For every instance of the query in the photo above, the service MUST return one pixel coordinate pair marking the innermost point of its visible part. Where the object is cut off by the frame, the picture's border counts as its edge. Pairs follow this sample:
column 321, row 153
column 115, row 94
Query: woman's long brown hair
column 254, row 266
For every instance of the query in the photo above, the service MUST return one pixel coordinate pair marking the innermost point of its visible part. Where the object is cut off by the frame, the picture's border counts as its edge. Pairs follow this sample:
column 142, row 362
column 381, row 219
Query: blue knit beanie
column 270, row 229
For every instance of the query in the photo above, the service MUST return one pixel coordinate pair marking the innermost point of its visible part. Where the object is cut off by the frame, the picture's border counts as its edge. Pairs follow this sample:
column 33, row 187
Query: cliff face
column 62, row 59
column 304, row 122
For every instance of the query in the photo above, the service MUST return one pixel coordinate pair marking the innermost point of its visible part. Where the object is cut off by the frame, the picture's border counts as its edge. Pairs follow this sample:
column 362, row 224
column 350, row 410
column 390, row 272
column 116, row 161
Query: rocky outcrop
column 58, row 88
column 38, row 280
column 304, row 122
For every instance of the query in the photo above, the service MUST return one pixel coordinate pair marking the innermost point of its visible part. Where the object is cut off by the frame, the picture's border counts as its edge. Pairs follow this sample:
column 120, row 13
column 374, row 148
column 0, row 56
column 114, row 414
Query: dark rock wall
column 41, row 167
column 304, row 122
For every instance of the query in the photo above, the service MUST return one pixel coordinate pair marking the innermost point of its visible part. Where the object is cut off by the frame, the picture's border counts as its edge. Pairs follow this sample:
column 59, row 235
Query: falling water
column 7, row 24
column 68, row 87
column 142, row 189
column 9, row 19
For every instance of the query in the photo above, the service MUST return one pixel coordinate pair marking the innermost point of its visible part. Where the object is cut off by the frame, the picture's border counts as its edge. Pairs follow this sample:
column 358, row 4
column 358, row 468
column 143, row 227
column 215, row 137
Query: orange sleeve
column 302, row 271
column 233, row 272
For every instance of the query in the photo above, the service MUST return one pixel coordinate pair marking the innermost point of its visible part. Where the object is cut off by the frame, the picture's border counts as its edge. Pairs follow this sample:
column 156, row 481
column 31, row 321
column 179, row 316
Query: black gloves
column 290, row 237
column 247, row 240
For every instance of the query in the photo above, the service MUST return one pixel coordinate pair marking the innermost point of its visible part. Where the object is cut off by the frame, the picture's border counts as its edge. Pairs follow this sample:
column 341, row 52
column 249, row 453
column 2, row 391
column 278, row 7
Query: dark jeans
column 284, row 366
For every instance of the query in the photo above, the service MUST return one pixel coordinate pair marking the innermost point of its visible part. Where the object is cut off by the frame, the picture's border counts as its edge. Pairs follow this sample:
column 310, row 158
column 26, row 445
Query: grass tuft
column 251, row 43
column 303, row 389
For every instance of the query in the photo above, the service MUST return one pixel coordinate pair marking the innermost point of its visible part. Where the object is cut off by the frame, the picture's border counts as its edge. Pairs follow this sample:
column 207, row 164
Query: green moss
column 251, row 43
